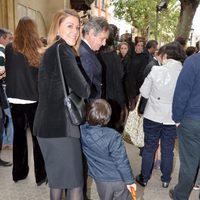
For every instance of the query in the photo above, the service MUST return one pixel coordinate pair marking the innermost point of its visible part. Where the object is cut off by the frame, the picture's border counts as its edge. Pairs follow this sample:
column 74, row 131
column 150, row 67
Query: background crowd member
column 150, row 49
column 106, row 155
column 190, row 50
column 186, row 114
column 59, row 139
column 112, row 81
column 22, row 63
column 158, row 88
column 134, row 78
column 5, row 38
column 124, row 53
column 95, row 32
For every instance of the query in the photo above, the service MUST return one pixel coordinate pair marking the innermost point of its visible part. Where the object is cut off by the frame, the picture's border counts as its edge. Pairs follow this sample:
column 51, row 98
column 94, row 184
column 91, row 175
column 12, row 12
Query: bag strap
column 138, row 102
column 61, row 73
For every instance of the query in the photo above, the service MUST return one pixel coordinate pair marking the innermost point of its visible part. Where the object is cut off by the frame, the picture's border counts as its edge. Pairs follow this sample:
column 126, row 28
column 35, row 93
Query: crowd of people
column 109, row 78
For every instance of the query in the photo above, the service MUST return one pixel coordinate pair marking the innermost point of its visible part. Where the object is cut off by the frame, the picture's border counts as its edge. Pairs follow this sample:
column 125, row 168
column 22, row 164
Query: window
column 96, row 3
column 103, row 7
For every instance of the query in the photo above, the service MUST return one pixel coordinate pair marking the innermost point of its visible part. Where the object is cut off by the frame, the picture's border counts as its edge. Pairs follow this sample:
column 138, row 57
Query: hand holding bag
column 75, row 105
column 133, row 130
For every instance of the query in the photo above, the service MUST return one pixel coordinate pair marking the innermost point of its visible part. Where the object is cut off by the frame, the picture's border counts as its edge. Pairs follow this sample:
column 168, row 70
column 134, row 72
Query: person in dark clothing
column 58, row 137
column 95, row 32
column 112, row 86
column 125, row 56
column 134, row 78
column 150, row 49
column 154, row 62
column 5, row 38
column 186, row 114
column 22, row 63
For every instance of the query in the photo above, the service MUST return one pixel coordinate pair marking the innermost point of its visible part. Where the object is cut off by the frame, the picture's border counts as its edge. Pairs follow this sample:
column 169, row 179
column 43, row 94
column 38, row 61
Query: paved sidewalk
column 28, row 190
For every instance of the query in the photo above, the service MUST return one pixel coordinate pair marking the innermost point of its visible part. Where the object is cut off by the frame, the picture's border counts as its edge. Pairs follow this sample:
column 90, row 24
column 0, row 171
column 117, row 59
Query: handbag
column 133, row 131
column 76, row 108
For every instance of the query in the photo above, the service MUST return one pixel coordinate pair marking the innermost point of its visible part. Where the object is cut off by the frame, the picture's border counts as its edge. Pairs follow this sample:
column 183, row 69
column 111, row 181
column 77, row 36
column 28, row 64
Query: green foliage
column 142, row 14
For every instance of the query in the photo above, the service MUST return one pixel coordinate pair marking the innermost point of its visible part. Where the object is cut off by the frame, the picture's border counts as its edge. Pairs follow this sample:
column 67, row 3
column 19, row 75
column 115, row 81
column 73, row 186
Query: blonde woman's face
column 69, row 30
column 123, row 49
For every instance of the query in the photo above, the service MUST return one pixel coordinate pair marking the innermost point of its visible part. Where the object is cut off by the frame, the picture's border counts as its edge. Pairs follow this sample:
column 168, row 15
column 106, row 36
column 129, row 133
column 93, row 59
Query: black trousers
column 23, row 117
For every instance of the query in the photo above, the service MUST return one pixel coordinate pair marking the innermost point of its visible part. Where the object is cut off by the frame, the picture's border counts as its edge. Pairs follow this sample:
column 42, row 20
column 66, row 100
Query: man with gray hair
column 95, row 32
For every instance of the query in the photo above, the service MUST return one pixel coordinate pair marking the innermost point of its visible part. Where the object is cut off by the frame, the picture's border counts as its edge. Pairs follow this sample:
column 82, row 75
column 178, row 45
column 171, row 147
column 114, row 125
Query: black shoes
column 171, row 194
column 140, row 180
column 165, row 184
column 5, row 163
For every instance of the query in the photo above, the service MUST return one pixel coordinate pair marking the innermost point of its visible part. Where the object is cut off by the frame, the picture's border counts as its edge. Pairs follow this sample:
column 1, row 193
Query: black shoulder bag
column 75, row 105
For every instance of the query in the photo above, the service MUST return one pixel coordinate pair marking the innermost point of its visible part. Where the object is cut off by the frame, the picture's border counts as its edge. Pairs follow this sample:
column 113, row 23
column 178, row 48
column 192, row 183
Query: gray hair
column 4, row 32
column 98, row 24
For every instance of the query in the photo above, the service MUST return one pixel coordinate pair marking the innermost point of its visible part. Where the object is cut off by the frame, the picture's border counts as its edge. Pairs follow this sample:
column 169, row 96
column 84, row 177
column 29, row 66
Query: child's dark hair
column 98, row 112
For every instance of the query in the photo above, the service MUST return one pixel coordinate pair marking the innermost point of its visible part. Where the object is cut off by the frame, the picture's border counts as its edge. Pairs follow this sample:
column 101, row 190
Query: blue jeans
column 8, row 133
column 189, row 148
column 153, row 132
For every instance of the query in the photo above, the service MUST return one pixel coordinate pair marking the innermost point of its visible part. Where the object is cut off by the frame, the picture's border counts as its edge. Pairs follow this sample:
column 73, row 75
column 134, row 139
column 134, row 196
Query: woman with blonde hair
column 22, row 64
column 59, row 139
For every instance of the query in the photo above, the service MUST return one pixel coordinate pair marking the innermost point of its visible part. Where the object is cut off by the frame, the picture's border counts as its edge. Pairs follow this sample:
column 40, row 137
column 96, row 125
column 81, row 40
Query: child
column 106, row 156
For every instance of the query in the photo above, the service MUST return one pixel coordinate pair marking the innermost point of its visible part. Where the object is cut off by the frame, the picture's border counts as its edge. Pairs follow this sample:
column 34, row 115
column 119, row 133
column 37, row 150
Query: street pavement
column 28, row 190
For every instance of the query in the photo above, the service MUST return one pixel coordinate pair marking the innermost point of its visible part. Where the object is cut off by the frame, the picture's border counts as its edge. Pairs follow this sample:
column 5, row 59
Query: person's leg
column 113, row 190
column 121, row 191
column 74, row 194
column 189, row 148
column 20, row 150
column 152, row 131
column 157, row 159
column 39, row 166
column 105, row 190
column 8, row 133
column 197, row 182
column 168, row 137
column 56, row 194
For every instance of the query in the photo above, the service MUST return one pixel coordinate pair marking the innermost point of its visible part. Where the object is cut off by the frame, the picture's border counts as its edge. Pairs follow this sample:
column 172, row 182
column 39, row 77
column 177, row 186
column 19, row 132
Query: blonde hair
column 57, row 20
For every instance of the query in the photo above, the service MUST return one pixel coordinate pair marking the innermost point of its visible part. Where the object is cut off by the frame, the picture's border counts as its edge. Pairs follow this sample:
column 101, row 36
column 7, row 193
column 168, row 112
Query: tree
column 142, row 15
column 174, row 21
column 188, row 9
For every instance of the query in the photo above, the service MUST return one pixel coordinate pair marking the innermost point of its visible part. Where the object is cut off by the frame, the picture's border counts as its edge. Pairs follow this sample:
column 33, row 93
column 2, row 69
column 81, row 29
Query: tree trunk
column 188, row 9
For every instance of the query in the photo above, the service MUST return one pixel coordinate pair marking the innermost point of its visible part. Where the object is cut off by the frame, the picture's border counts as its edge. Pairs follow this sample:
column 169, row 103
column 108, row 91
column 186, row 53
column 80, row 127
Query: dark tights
column 70, row 194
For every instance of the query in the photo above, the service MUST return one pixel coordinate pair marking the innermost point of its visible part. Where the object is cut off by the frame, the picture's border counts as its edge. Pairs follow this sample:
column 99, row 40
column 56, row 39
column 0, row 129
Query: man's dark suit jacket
column 92, row 68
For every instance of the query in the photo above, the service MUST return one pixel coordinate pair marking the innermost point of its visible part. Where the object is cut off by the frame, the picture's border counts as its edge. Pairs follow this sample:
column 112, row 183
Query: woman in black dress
column 59, row 139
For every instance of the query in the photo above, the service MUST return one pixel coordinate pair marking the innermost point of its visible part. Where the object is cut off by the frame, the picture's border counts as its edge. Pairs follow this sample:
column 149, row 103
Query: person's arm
column 118, row 154
column 183, row 91
column 72, row 73
column 147, row 85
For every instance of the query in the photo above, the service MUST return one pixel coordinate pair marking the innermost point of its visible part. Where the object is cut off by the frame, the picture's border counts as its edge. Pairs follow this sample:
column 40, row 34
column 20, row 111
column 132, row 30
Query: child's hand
column 133, row 185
